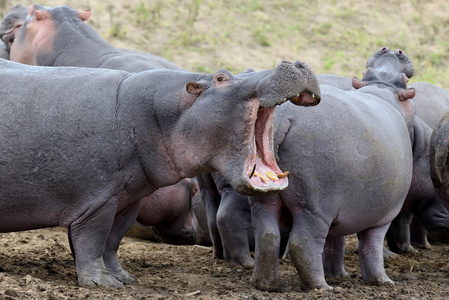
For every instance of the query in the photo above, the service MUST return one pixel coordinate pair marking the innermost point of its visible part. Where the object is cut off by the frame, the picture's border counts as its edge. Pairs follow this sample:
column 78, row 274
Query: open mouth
column 262, row 168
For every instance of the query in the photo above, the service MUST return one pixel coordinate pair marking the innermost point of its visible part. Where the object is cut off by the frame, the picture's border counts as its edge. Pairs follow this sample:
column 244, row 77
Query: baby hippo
column 167, row 215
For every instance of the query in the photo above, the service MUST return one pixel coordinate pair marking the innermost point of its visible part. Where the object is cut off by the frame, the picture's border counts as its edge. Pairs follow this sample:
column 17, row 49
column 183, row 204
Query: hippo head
column 11, row 23
column 396, row 62
column 35, row 36
column 395, row 81
column 237, row 113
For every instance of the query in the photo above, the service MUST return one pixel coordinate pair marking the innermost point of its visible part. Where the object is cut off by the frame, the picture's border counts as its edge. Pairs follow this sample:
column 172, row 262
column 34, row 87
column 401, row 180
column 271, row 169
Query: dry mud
column 38, row 265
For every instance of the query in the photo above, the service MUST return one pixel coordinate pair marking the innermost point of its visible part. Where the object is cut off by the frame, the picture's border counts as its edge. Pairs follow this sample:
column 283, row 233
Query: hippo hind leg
column 333, row 255
column 371, row 255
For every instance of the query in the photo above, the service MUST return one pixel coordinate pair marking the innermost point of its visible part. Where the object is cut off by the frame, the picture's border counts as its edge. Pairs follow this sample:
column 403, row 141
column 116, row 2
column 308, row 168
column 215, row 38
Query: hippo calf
column 81, row 147
column 167, row 215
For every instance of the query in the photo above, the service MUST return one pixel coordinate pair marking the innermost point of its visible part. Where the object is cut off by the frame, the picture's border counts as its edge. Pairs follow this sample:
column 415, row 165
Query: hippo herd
column 282, row 162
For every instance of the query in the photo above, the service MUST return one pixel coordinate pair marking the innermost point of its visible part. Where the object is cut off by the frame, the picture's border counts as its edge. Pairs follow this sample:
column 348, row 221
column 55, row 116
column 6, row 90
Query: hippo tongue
column 262, row 168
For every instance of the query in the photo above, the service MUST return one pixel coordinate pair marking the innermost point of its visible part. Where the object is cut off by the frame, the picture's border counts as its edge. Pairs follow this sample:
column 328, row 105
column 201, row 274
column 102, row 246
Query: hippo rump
column 81, row 147
column 63, row 39
column 349, row 174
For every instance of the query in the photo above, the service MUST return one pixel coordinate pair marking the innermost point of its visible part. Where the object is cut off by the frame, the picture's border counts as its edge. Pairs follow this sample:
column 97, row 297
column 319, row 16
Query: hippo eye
column 221, row 78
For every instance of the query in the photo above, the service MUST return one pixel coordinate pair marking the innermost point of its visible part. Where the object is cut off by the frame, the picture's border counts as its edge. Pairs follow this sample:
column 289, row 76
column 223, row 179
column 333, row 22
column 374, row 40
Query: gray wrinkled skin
column 348, row 174
column 438, row 155
column 83, row 153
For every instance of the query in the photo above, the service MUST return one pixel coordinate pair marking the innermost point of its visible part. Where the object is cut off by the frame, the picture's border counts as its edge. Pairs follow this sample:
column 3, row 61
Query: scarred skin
column 80, row 147
column 58, row 36
column 167, row 215
column 350, row 175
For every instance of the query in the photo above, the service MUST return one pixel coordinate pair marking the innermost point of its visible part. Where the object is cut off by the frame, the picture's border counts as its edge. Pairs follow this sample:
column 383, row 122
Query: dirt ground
column 38, row 265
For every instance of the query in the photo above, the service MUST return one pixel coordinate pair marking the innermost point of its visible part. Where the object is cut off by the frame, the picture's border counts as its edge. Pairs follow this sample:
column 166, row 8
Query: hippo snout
column 289, row 81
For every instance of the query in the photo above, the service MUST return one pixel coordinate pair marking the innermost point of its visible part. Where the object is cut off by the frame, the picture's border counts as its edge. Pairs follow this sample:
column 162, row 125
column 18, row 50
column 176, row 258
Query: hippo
column 438, row 156
column 64, row 39
column 81, row 147
column 350, row 174
column 10, row 25
column 167, row 215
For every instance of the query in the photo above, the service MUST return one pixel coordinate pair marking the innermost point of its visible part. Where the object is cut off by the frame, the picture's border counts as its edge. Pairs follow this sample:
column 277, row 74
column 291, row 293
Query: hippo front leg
column 122, row 222
column 306, row 245
column 265, row 219
column 234, row 222
column 333, row 255
column 88, row 235
column 371, row 255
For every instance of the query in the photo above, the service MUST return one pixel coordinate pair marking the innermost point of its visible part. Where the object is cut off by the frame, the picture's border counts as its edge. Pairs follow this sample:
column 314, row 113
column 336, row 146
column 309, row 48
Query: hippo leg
column 88, row 235
column 398, row 235
column 265, row 218
column 306, row 246
column 333, row 255
column 234, row 222
column 418, row 235
column 371, row 255
column 122, row 222
column 211, row 199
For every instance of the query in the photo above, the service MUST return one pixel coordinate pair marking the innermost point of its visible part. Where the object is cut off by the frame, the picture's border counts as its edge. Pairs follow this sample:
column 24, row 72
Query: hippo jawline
column 262, row 170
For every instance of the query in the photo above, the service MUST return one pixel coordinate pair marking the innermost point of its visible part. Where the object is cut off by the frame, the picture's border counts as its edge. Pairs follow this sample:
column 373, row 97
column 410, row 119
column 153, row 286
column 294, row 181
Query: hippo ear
column 84, row 15
column 406, row 94
column 41, row 15
column 357, row 83
column 195, row 88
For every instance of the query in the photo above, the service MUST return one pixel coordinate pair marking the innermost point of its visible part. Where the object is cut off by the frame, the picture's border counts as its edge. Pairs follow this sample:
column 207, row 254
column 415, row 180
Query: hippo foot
column 403, row 248
column 247, row 262
column 336, row 274
column 266, row 285
column 125, row 277
column 421, row 245
column 319, row 286
column 103, row 279
column 389, row 255
column 381, row 281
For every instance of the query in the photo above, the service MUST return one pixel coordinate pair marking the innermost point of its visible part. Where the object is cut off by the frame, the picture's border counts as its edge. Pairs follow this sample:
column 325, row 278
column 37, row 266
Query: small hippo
column 349, row 174
column 81, row 147
column 63, row 39
column 167, row 215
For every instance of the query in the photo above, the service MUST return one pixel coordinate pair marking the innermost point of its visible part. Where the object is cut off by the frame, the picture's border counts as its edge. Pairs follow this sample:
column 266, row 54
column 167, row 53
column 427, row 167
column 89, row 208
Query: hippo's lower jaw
column 262, row 170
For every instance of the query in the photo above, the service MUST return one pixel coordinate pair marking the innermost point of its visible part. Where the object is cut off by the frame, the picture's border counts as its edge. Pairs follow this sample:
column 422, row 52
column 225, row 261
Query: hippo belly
column 352, row 170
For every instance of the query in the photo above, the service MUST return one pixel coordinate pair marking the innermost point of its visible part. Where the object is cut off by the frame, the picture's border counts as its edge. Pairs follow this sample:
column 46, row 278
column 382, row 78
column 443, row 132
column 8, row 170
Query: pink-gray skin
column 58, row 36
column 167, row 215
column 350, row 174
column 80, row 147
column 422, row 201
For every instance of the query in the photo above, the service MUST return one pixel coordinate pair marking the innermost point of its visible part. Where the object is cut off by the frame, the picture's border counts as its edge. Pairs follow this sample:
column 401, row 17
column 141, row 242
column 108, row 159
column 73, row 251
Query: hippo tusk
column 252, row 172
column 283, row 175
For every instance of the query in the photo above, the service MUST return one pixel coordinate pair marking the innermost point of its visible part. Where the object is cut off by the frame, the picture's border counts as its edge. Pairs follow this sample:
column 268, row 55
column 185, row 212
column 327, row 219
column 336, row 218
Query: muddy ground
column 38, row 265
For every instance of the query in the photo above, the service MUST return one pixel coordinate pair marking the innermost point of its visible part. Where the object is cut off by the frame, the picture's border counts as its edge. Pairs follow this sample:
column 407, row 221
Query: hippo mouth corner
column 262, row 170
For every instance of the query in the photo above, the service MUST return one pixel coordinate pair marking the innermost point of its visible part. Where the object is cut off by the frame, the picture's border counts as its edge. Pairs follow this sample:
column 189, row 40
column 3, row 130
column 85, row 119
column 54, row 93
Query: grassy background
column 334, row 37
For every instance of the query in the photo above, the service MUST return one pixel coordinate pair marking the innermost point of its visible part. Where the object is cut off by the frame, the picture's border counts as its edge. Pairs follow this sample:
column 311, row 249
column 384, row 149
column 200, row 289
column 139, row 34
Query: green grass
column 331, row 36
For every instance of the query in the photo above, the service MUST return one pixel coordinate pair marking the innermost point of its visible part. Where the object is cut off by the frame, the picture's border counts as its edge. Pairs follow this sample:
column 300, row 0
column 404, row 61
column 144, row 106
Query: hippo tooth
column 283, row 175
column 313, row 96
column 261, row 176
column 271, row 175
column 252, row 172
column 297, row 95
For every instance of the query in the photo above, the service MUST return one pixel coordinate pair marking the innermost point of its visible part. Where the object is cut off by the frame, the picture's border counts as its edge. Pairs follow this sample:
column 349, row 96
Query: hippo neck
column 147, row 114
column 86, row 47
